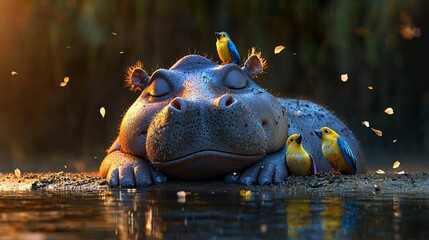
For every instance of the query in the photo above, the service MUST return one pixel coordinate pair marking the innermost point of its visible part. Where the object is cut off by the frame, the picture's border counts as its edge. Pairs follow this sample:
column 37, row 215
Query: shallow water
column 211, row 213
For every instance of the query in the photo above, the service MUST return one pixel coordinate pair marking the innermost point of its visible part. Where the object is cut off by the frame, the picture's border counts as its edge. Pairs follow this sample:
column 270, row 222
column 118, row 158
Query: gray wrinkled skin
column 200, row 120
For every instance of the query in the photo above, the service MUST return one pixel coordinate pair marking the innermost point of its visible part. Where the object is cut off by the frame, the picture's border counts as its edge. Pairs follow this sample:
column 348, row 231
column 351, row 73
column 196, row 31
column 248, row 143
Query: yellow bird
column 298, row 161
column 337, row 151
column 226, row 49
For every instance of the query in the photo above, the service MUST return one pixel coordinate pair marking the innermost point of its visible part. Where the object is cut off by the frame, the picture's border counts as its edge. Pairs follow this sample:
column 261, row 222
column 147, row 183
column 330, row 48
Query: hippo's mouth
column 207, row 164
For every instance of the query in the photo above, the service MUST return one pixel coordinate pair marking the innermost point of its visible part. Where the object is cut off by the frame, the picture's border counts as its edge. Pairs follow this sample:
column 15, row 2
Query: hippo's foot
column 124, row 170
column 271, row 169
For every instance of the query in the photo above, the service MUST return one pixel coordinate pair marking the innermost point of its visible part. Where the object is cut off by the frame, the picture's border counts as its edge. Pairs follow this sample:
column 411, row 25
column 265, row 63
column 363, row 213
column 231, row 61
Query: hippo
column 200, row 120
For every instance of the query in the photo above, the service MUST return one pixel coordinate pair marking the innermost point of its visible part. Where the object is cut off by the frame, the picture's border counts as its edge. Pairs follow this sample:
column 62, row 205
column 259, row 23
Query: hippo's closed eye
column 235, row 80
column 159, row 87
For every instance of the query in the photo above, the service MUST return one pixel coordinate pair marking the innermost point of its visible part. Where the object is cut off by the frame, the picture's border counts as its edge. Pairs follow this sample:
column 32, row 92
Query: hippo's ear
column 136, row 77
column 253, row 65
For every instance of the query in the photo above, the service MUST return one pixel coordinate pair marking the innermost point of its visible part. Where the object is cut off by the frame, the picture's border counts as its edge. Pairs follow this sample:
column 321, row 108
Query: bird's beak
column 217, row 34
column 318, row 133
column 299, row 139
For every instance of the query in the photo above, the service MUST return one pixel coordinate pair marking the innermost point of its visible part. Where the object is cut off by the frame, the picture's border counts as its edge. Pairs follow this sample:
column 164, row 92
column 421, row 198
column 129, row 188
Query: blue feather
column 234, row 52
column 347, row 153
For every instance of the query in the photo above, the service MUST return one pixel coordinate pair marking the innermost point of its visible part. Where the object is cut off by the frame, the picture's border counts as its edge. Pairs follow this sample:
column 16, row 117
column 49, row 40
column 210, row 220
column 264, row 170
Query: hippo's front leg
column 271, row 169
column 124, row 170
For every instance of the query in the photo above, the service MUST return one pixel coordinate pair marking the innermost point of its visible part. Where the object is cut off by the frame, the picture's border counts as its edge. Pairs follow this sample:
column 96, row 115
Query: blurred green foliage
column 374, row 42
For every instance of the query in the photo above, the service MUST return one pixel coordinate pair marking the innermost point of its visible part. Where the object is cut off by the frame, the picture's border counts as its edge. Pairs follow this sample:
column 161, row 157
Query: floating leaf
column 294, row 53
column 344, row 77
column 389, row 111
column 395, row 140
column 365, row 123
column 278, row 49
column 370, row 87
column 245, row 193
column 379, row 171
column 66, row 79
column 396, row 164
column 14, row 73
column 63, row 84
column 102, row 112
column 378, row 132
column 401, row 172
column 17, row 173
column 114, row 34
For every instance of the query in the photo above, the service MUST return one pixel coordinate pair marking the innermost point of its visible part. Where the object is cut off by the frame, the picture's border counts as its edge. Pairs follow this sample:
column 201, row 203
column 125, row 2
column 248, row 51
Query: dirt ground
column 416, row 183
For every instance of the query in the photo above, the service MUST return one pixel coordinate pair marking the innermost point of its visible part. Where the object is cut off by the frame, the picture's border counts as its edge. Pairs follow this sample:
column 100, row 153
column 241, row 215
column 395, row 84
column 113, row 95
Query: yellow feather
column 222, row 49
column 298, row 160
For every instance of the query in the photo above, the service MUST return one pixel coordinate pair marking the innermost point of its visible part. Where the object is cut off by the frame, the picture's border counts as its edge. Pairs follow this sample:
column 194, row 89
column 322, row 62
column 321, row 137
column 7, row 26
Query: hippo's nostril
column 226, row 101
column 229, row 101
column 178, row 104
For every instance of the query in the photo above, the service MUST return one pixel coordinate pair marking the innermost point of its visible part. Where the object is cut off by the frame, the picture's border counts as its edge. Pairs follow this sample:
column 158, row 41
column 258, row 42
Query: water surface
column 211, row 212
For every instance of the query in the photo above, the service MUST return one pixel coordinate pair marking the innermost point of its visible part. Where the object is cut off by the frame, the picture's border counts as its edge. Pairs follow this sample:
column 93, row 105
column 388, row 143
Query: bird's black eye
column 326, row 131
column 291, row 139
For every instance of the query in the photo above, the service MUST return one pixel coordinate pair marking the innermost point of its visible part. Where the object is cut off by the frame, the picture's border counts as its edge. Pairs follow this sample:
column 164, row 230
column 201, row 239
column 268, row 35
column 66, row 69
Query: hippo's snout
column 213, row 137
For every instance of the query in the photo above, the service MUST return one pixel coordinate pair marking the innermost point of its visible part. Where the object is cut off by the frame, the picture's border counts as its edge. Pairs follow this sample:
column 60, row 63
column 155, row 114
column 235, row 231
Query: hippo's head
column 199, row 119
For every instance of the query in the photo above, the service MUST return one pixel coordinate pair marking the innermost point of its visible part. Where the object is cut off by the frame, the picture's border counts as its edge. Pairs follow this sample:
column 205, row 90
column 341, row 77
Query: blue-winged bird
column 226, row 49
column 337, row 151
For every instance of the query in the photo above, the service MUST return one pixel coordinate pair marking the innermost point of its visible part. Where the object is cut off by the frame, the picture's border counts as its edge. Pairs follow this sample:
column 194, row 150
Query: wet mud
column 415, row 183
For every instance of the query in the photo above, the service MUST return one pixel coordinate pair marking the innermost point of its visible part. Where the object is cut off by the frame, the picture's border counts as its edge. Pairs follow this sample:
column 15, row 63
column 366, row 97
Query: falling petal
column 63, row 84
column 378, row 132
column 17, row 173
column 181, row 194
column 401, row 172
column 66, row 79
column 114, row 34
column 370, row 87
column 389, row 111
column 14, row 73
column 396, row 164
column 344, row 77
column 395, row 140
column 263, row 228
column 278, row 49
column 121, row 52
column 102, row 112
column 379, row 171
column 294, row 53
column 365, row 123
column 68, row 47
column 181, row 197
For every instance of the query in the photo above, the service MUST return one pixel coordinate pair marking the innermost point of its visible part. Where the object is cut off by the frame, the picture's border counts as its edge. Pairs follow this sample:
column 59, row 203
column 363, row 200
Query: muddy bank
column 417, row 183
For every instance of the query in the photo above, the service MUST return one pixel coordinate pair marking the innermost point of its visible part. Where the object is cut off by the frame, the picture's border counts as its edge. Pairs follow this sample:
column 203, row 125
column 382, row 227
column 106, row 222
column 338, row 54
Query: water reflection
column 155, row 213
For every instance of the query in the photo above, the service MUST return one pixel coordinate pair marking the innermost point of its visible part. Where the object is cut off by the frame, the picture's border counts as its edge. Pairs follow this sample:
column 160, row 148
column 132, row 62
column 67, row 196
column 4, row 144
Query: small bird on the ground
column 226, row 49
column 298, row 161
column 337, row 151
